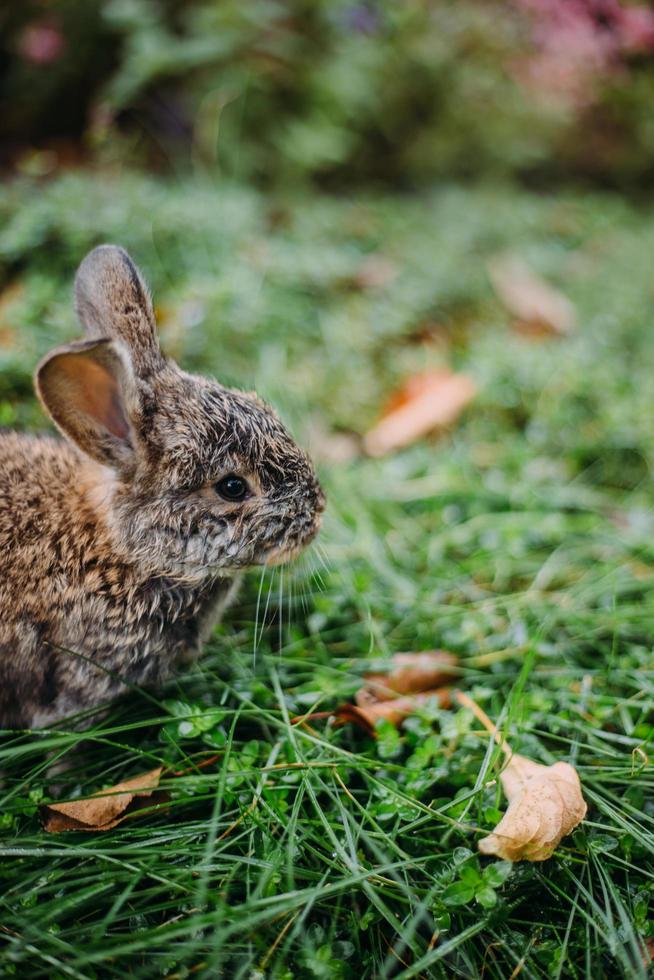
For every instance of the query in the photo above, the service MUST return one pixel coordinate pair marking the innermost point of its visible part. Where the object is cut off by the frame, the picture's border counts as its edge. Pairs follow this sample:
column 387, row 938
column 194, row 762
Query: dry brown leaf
column 418, row 676
column 545, row 802
column 9, row 296
column 332, row 447
column 538, row 307
column 375, row 272
column 366, row 713
column 545, row 805
column 338, row 448
column 411, row 672
column 428, row 401
column 105, row 809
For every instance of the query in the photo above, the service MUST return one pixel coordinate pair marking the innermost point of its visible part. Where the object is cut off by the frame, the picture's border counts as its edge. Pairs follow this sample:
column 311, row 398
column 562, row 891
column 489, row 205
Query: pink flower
column 42, row 42
column 637, row 28
column 579, row 43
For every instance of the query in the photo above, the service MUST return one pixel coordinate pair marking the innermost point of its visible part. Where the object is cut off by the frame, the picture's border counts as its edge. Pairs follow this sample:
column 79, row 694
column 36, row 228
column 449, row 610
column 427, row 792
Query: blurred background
column 335, row 94
column 318, row 192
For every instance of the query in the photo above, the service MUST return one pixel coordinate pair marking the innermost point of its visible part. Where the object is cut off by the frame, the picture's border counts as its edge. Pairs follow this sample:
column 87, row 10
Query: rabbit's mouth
column 286, row 552
column 281, row 556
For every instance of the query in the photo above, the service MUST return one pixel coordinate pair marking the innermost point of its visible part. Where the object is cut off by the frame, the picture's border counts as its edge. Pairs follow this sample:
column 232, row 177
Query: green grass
column 523, row 541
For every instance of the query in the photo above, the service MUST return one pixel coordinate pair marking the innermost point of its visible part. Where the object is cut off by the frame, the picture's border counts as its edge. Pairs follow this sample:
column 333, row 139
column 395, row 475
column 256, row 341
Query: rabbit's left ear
column 112, row 300
column 89, row 391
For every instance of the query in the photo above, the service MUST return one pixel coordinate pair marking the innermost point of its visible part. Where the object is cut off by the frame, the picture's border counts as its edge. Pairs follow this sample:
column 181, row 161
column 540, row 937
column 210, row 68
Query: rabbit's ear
column 112, row 300
column 89, row 391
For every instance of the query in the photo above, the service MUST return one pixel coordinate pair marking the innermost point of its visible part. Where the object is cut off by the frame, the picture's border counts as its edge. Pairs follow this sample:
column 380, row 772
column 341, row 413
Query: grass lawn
column 523, row 542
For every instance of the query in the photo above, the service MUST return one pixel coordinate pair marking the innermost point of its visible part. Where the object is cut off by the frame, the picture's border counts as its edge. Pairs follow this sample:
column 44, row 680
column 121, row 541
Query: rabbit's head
column 196, row 480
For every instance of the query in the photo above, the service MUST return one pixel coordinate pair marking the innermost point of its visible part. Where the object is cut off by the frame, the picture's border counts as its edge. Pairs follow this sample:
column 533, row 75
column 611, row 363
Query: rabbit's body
column 66, row 589
column 115, row 561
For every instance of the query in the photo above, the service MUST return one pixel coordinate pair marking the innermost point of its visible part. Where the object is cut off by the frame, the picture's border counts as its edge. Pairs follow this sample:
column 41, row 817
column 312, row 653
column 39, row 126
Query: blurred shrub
column 339, row 90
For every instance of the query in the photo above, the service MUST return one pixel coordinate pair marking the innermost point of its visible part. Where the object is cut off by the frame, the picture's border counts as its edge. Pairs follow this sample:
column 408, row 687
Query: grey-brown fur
column 117, row 554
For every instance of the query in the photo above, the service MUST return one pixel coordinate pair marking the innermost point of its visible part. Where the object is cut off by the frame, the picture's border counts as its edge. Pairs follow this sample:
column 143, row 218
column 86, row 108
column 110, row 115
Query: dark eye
column 232, row 487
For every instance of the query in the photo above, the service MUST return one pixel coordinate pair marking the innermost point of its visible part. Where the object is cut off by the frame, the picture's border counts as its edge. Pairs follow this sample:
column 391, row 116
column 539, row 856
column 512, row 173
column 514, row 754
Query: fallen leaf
column 538, row 307
column 332, row 447
column 375, row 272
column 427, row 401
column 545, row 805
column 418, row 676
column 545, row 802
column 105, row 809
column 9, row 297
column 411, row 672
column 366, row 714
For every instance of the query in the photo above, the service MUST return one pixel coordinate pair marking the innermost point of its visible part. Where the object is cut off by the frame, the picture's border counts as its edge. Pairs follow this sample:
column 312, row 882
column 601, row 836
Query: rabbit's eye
column 232, row 487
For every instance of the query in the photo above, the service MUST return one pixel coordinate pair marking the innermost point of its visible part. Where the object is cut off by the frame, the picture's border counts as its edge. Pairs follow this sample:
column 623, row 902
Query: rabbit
column 121, row 546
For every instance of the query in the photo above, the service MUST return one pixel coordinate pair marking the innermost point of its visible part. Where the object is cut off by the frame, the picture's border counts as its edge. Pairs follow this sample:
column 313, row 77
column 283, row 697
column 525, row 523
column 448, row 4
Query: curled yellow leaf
column 545, row 805
column 545, row 802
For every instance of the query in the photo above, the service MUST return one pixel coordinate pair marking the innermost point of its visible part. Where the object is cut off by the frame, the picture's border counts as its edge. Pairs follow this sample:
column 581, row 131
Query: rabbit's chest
column 140, row 630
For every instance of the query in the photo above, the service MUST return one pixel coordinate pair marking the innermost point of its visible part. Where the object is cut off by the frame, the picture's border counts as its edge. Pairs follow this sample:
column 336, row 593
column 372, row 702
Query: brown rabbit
column 119, row 551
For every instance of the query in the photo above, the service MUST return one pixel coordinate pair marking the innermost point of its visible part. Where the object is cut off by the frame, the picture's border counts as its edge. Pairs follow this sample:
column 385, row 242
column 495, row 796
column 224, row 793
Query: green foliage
column 471, row 882
column 279, row 90
column 284, row 90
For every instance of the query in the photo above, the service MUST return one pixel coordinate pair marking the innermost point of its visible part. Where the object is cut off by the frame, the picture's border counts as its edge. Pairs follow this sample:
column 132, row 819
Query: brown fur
column 117, row 553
